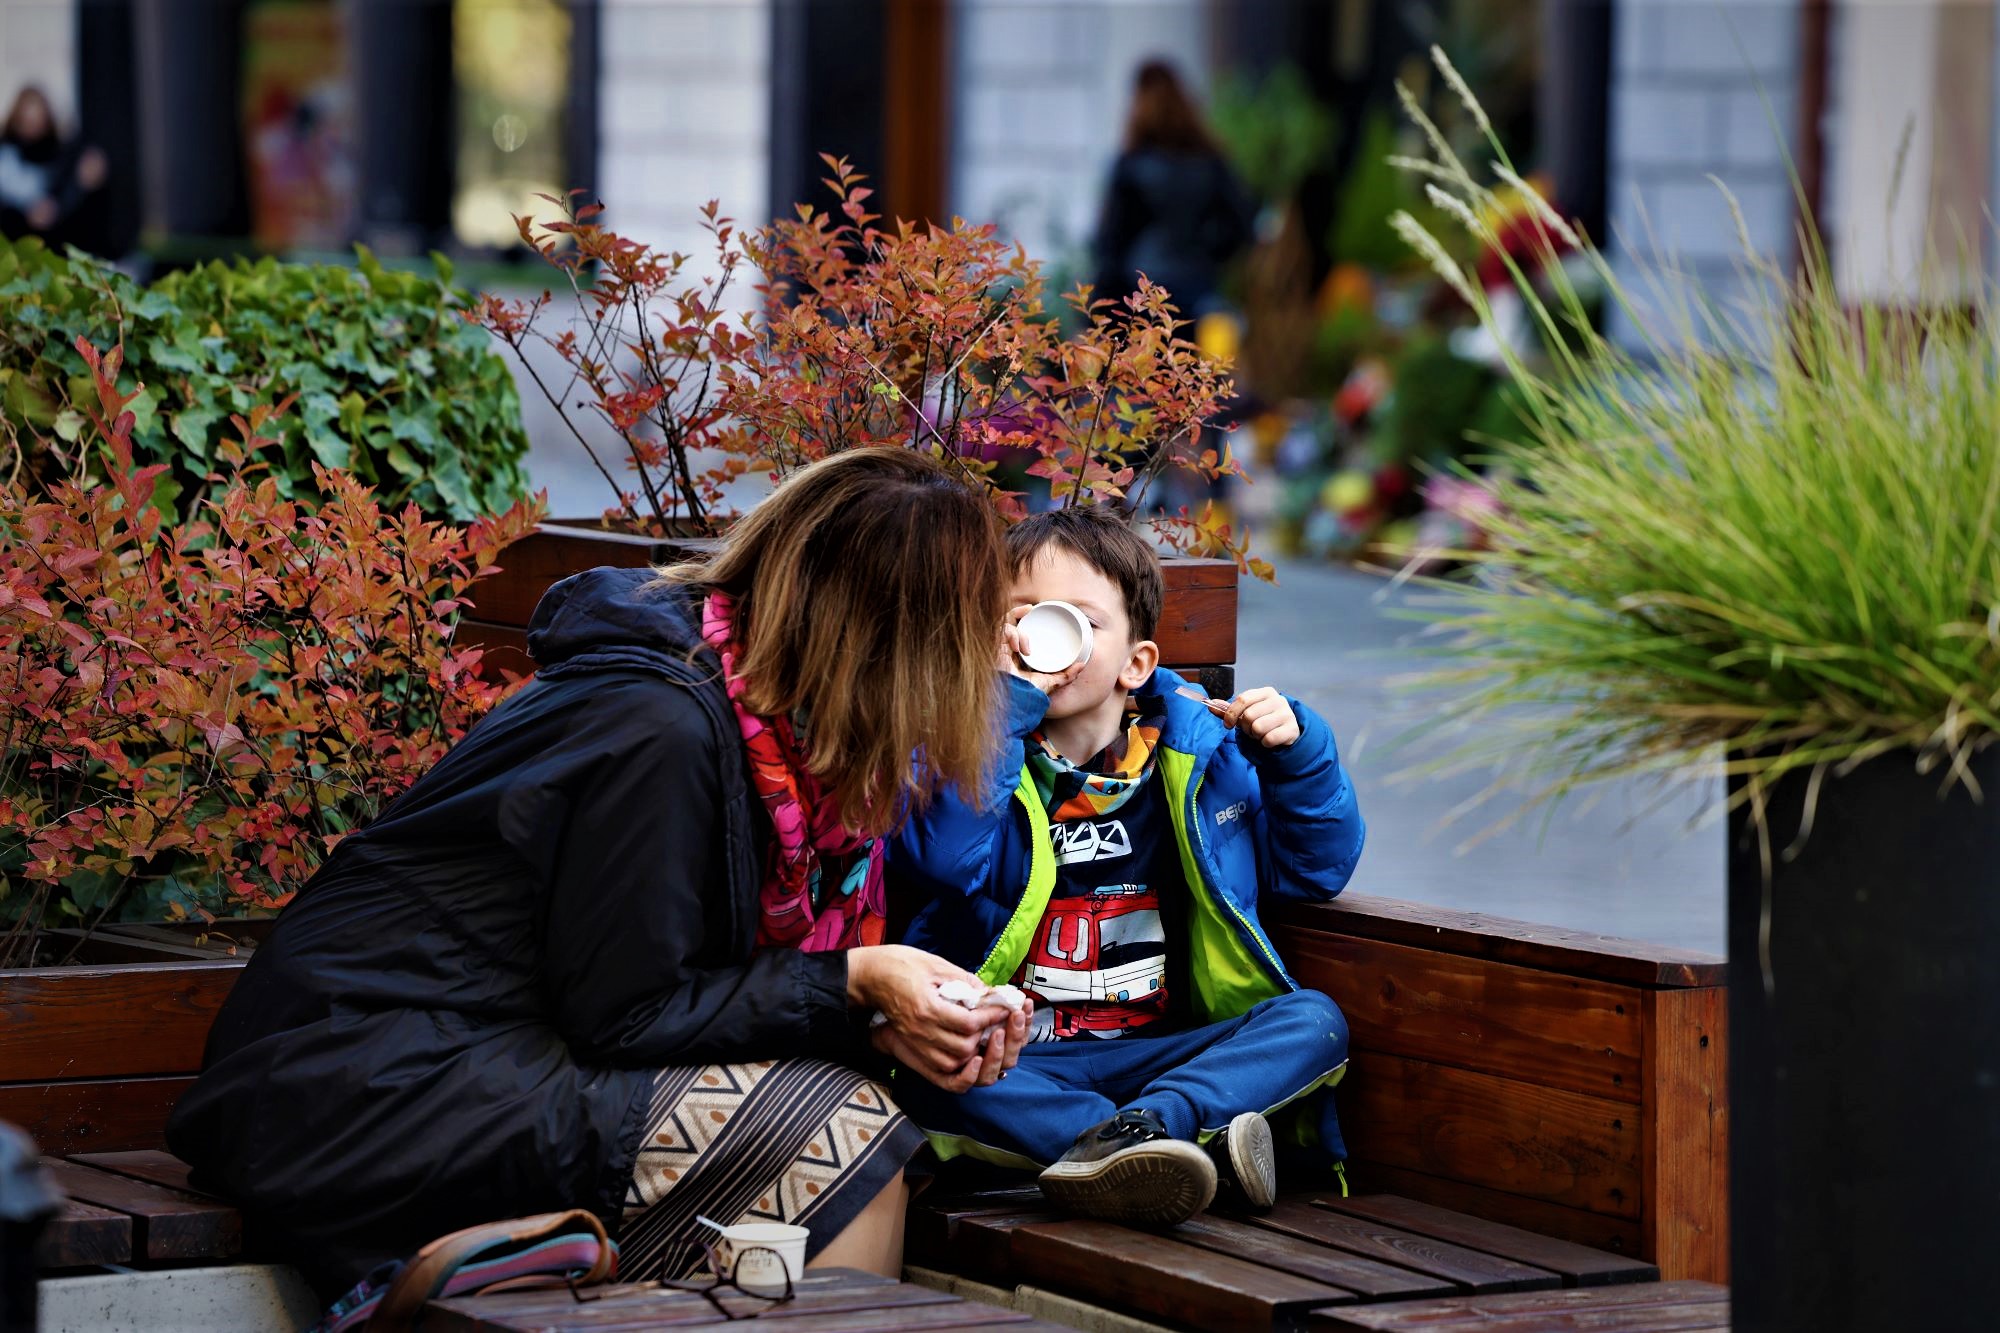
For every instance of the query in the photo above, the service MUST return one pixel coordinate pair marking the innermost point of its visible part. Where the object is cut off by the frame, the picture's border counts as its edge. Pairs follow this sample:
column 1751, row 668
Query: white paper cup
column 746, row 1251
column 1058, row 637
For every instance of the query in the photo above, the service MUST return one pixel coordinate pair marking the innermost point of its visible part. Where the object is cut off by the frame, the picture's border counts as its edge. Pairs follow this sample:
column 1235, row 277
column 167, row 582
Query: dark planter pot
column 1197, row 624
column 1864, row 1081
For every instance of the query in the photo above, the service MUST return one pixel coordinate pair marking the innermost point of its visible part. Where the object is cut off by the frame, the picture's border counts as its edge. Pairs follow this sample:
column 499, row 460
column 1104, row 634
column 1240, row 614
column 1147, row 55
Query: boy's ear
column 1139, row 666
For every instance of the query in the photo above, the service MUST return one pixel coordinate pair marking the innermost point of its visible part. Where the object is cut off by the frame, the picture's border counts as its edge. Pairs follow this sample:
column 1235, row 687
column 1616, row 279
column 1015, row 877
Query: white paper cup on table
column 761, row 1255
column 1058, row 637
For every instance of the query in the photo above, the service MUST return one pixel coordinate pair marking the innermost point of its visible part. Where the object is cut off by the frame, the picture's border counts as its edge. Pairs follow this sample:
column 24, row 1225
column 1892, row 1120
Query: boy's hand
column 1264, row 716
column 1012, row 645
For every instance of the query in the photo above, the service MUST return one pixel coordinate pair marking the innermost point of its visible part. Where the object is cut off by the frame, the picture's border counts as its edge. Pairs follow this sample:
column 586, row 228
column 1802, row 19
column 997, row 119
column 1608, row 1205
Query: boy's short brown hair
column 1102, row 538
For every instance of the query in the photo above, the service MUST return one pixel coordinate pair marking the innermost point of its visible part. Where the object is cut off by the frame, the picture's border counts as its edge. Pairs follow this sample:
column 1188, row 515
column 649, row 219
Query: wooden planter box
column 95, row 1053
column 1197, row 627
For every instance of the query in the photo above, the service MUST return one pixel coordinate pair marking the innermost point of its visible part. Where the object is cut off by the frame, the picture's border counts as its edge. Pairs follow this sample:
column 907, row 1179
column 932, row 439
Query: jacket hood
column 604, row 619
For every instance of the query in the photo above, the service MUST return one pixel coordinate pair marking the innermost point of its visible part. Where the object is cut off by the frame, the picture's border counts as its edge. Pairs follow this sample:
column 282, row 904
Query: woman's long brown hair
column 870, row 589
column 1163, row 116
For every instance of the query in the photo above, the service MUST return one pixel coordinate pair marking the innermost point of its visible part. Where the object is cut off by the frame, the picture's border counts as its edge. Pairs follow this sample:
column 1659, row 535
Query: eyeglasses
column 712, row 1290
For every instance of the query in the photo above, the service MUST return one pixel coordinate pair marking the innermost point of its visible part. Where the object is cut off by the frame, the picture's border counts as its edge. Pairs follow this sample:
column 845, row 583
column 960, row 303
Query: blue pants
column 1197, row 1079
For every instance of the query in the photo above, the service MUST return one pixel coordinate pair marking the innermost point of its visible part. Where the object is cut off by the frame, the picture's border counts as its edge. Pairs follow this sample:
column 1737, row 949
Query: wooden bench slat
column 1469, row 1270
column 148, row 1164
column 167, row 1223
column 83, row 1235
column 1614, row 1235
column 1302, row 1258
column 1155, row 1275
column 93, row 1115
column 73, row 1023
column 1477, row 935
column 984, row 1247
column 1578, row 1265
column 1473, row 1013
column 1506, row 1134
column 931, row 1225
column 1647, row 1307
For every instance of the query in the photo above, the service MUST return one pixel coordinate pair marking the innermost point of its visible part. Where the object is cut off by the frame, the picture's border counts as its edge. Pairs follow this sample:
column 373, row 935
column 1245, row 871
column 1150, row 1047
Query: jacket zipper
column 1034, row 855
column 1201, row 843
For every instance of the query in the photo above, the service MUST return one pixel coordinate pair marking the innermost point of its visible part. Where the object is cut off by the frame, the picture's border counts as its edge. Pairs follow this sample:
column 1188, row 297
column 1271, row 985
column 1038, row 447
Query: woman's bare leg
column 873, row 1241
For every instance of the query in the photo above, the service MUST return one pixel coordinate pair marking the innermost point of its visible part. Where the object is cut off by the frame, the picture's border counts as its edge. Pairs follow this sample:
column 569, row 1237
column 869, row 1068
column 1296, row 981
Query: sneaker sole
column 1253, row 1159
column 1154, row 1184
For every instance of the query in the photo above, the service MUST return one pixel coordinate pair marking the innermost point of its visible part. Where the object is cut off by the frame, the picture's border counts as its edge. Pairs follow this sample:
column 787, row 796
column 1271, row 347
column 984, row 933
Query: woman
column 42, row 179
column 1173, row 210
column 616, row 949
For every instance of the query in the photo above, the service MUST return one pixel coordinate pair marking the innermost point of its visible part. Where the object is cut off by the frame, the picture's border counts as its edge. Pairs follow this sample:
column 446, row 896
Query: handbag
column 547, row 1250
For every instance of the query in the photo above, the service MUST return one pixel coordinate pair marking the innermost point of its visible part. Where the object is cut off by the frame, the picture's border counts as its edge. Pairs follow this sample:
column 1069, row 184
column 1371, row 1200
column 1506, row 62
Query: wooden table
column 827, row 1301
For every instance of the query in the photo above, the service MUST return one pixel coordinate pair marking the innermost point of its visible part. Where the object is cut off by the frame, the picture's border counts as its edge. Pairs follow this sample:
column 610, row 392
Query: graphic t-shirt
column 1100, row 963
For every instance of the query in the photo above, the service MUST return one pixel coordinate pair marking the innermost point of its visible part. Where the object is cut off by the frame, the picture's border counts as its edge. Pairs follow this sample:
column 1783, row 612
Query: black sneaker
column 1129, row 1169
column 1246, row 1165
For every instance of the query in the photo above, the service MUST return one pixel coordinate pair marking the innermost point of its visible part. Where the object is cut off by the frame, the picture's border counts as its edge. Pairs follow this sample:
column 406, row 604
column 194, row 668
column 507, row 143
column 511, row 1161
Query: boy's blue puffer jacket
column 1251, row 824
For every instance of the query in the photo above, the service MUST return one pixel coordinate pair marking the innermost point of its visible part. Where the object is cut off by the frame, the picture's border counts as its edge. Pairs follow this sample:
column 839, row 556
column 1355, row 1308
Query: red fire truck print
column 1098, row 966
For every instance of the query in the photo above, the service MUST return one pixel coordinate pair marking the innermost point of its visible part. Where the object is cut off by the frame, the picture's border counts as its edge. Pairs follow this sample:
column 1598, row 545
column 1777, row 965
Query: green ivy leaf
column 152, row 305
column 322, row 413
column 399, row 459
column 417, row 426
column 456, row 488
column 176, row 355
column 145, row 410
column 194, row 427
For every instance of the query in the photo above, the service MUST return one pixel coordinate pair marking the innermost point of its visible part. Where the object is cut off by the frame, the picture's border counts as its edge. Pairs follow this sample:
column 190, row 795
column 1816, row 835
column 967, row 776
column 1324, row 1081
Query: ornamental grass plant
column 1764, row 536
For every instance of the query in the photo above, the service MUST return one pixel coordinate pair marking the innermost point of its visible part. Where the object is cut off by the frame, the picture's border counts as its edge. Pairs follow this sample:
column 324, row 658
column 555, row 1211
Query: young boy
column 1114, row 871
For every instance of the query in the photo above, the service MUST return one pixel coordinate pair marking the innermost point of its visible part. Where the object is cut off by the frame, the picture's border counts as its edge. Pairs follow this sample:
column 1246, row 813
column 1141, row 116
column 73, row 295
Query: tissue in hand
column 969, row 995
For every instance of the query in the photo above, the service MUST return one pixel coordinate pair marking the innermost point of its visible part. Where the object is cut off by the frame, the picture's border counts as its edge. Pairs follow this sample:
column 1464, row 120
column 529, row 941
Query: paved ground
column 1616, row 865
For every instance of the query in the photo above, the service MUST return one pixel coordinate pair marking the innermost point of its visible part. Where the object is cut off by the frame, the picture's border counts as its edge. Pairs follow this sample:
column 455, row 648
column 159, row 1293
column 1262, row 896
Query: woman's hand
column 1013, row 643
column 949, row 1045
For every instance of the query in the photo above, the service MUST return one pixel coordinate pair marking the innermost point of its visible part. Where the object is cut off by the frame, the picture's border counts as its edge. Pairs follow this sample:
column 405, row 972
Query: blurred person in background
column 1174, row 210
column 43, row 179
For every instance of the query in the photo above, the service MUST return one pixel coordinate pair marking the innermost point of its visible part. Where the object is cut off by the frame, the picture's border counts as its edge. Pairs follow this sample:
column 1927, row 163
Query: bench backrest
column 93, row 1057
column 1568, row 1083
column 1197, row 635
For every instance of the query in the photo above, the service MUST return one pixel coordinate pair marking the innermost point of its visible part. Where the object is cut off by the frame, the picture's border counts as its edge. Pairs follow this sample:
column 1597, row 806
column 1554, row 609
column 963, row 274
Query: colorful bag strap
column 426, row 1277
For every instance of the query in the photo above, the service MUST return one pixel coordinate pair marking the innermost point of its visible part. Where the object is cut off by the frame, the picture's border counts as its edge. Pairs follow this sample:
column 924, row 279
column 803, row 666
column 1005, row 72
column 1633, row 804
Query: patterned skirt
column 797, row 1141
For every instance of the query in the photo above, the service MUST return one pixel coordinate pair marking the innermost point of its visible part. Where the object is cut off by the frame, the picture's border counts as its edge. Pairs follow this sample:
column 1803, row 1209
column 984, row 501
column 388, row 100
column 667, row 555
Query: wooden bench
column 1568, row 1083
column 1539, row 1128
column 1317, row 1260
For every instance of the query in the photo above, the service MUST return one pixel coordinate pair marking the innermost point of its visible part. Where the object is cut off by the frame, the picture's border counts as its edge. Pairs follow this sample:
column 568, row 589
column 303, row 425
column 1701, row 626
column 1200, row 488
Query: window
column 512, row 67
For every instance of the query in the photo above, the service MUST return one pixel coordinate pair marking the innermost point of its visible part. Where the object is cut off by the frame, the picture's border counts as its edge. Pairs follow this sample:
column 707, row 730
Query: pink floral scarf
column 809, row 846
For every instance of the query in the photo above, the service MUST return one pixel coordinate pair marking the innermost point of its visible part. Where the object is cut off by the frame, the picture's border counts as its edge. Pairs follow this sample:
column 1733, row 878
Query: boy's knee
column 1316, row 1013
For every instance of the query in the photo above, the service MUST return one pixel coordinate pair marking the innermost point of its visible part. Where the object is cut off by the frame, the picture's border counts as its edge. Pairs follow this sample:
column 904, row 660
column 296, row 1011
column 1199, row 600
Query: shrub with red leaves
column 865, row 332
column 192, row 716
